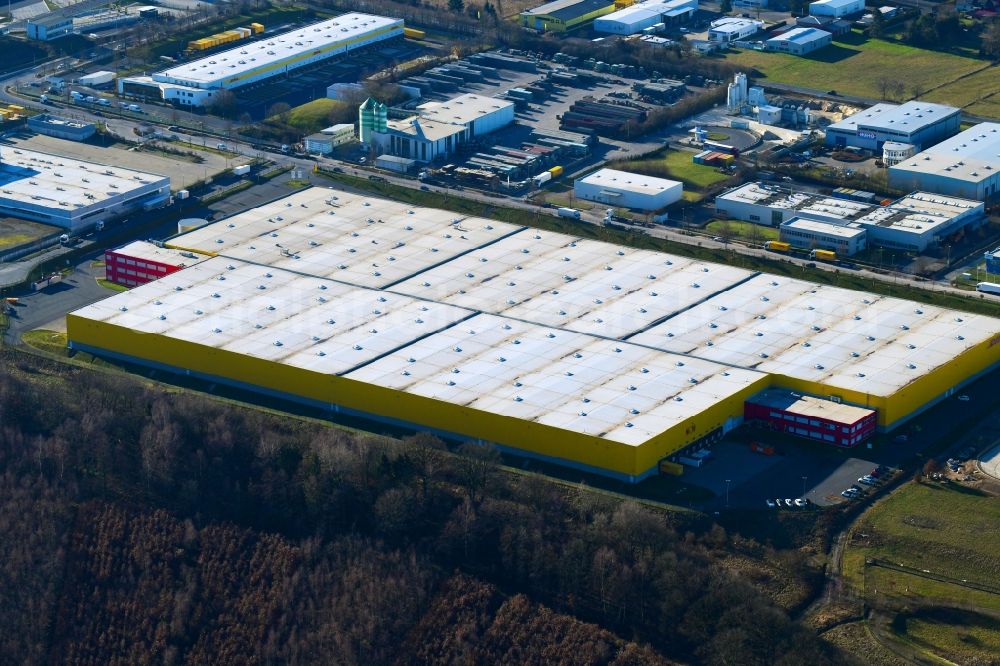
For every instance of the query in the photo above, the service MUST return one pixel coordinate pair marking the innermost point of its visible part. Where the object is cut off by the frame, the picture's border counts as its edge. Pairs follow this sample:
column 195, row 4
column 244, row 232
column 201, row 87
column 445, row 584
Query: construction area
column 610, row 359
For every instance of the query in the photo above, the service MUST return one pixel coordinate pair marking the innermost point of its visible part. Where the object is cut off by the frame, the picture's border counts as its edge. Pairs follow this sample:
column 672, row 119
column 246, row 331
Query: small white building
column 732, row 29
column 894, row 152
column 836, row 8
column 325, row 141
column 844, row 239
column 628, row 190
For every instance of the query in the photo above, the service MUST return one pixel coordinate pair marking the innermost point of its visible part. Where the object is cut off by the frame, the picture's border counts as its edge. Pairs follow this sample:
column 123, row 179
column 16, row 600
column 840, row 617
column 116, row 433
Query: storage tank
column 190, row 223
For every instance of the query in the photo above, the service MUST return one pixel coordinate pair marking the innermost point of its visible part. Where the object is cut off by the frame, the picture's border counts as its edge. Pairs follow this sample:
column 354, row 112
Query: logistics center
column 195, row 83
column 602, row 357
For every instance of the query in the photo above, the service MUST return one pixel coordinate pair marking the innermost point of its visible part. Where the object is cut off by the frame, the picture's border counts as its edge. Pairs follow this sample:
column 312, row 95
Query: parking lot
column 818, row 476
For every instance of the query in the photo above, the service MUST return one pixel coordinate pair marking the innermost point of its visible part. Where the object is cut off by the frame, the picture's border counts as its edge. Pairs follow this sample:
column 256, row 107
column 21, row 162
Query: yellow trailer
column 777, row 246
column 257, row 28
column 556, row 171
column 413, row 33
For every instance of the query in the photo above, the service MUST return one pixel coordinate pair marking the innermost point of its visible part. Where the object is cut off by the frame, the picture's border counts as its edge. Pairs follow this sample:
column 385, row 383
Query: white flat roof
column 907, row 117
column 971, row 156
column 625, row 181
column 250, row 55
column 807, row 405
column 610, row 389
column 847, row 231
column 842, row 338
column 920, row 212
column 574, row 288
column 165, row 255
column 833, row 3
column 464, row 109
column 53, row 181
column 429, row 129
column 733, row 24
column 349, row 237
column 801, row 35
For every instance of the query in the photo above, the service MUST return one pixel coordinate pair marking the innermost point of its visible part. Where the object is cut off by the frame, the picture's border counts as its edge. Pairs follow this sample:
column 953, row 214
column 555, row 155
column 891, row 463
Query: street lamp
column 804, row 485
column 727, row 493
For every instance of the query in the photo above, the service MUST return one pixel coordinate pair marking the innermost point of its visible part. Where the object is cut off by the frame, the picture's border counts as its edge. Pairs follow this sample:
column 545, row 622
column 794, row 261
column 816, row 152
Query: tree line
column 143, row 524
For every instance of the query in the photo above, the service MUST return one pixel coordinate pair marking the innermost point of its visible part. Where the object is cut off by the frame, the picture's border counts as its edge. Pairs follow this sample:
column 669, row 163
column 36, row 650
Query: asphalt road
column 48, row 307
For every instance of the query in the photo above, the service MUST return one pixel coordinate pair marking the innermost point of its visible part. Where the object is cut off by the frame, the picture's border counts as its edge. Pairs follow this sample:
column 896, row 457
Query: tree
column 224, row 104
column 991, row 41
column 456, row 5
column 726, row 6
column 279, row 111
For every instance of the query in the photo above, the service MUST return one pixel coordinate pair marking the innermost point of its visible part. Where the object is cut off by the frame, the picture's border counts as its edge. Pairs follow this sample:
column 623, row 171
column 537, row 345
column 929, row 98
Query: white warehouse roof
column 909, row 117
column 613, row 179
column 463, row 109
column 842, row 338
column 618, row 391
column 970, row 156
column 147, row 251
column 262, row 53
column 41, row 180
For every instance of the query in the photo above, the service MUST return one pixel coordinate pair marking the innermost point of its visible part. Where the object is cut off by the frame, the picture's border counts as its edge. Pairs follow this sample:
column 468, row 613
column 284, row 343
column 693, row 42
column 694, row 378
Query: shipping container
column 571, row 213
column 556, row 171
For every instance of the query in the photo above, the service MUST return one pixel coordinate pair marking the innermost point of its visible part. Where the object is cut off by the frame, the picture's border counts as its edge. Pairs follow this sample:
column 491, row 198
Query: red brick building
column 140, row 262
column 810, row 417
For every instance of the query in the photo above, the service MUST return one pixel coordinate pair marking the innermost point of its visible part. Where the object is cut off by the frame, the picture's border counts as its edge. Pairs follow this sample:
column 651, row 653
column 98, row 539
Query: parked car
column 963, row 398
column 867, row 480
column 849, row 494
column 801, row 502
column 789, row 503
column 771, row 504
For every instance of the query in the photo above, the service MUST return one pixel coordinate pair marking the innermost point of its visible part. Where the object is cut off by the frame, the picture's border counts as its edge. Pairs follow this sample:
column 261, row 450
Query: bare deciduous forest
column 143, row 524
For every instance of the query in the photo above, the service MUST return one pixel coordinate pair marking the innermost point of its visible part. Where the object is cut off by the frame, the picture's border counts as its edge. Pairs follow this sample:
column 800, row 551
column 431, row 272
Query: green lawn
column 988, row 108
column 960, row 637
column 967, row 90
column 742, row 230
column 853, row 67
column 313, row 116
column 50, row 341
column 674, row 164
column 950, row 531
column 113, row 286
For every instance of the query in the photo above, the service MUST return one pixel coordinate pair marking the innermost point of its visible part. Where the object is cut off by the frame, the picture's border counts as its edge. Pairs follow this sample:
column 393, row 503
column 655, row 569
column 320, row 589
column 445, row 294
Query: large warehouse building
column 565, row 15
column 799, row 41
column 73, row 194
column 836, row 8
column 597, row 356
column 195, row 83
column 914, row 222
column 638, row 17
column 967, row 165
column 628, row 190
column 920, row 124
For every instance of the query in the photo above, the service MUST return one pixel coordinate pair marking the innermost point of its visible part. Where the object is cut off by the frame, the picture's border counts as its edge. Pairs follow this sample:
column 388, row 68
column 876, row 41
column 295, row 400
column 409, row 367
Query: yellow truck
column 777, row 246
column 823, row 255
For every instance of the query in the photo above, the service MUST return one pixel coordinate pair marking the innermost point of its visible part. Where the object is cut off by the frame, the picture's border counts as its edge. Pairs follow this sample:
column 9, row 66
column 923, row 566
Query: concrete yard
column 182, row 173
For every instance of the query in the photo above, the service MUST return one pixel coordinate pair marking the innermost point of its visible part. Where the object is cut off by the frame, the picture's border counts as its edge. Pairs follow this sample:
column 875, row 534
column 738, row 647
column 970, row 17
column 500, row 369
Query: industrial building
column 733, row 29
column 806, row 416
column 565, row 15
column 73, row 194
column 441, row 127
column 643, row 15
column 194, row 83
column 992, row 261
column 836, row 8
column 140, row 262
column 325, row 141
column 799, row 41
column 61, row 128
column 628, row 190
column 894, row 152
column 965, row 165
column 920, row 124
column 606, row 358
column 913, row 222
column 50, row 25
column 844, row 239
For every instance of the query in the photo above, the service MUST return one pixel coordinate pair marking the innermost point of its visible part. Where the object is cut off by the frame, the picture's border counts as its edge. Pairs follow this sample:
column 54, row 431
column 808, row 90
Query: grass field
column 950, row 531
column 989, row 107
column 742, row 230
column 18, row 232
column 315, row 115
column 960, row 637
column 854, row 66
column 675, row 164
column 967, row 90
column 113, row 286
column 854, row 637
column 50, row 341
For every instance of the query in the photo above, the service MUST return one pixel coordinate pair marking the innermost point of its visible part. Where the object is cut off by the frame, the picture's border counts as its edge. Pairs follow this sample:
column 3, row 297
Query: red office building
column 140, row 262
column 811, row 417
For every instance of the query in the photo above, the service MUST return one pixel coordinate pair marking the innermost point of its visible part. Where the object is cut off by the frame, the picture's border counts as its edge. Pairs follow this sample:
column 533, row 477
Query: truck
column 988, row 287
column 777, row 246
column 556, row 171
column 241, row 170
column 571, row 213
column 823, row 255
